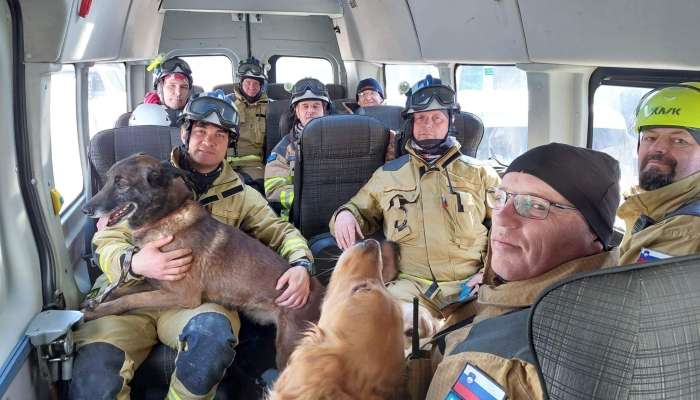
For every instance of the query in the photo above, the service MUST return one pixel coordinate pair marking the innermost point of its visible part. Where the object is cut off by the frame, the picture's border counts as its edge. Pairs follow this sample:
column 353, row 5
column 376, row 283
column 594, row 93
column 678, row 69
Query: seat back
column 338, row 154
column 621, row 333
column 276, row 91
column 273, row 133
column 389, row 116
column 228, row 88
column 197, row 89
column 111, row 145
column 336, row 91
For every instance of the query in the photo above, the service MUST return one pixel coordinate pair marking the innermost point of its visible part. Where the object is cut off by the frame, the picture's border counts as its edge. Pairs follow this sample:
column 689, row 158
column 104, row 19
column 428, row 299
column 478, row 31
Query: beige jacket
column 675, row 236
column 251, row 143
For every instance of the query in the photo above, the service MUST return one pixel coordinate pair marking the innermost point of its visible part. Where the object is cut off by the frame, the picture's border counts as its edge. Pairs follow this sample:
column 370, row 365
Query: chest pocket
column 465, row 210
column 401, row 216
column 253, row 123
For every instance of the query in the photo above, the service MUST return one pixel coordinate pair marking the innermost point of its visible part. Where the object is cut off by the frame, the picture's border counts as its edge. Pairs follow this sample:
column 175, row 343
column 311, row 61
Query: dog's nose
column 88, row 209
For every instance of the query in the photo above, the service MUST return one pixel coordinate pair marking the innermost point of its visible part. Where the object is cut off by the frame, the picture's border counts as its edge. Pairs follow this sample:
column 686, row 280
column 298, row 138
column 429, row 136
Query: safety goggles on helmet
column 250, row 69
column 172, row 65
column 423, row 97
column 670, row 106
column 309, row 89
column 205, row 108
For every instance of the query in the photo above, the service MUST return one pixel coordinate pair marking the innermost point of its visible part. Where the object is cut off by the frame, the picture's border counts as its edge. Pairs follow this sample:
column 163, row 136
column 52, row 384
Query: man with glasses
column 432, row 202
column 111, row 348
column 369, row 93
column 172, row 84
column 661, row 214
column 309, row 100
column 251, row 102
column 553, row 217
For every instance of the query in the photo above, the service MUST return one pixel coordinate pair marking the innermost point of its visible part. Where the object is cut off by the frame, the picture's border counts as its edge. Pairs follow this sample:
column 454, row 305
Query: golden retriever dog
column 356, row 350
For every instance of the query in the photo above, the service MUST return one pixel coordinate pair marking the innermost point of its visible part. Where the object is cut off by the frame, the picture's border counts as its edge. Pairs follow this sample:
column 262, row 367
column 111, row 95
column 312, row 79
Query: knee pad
column 96, row 372
column 208, row 350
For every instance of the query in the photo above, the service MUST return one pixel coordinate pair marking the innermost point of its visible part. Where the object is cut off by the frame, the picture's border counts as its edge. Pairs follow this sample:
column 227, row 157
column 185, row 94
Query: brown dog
column 356, row 350
column 228, row 267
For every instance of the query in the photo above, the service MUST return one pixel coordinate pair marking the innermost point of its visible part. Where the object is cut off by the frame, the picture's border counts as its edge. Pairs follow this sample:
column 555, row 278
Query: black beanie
column 369, row 83
column 587, row 178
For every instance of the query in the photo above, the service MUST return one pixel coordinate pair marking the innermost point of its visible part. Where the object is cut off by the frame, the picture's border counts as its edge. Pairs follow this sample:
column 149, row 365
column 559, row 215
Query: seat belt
column 691, row 208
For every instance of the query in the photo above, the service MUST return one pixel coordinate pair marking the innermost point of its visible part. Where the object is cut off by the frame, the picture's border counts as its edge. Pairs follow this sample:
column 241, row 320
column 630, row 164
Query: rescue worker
column 251, row 102
column 432, row 202
column 661, row 214
column 111, row 348
column 309, row 100
column 369, row 93
column 553, row 217
column 172, row 84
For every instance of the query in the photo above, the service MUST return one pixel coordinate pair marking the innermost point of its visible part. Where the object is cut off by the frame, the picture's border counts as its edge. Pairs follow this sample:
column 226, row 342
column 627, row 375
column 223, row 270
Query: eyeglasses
column 174, row 65
column 250, row 68
column 526, row 205
column 367, row 93
column 201, row 107
column 422, row 97
column 315, row 86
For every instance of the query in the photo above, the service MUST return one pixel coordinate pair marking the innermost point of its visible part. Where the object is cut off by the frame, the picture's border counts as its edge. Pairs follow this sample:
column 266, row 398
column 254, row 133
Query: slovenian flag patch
column 649, row 255
column 473, row 384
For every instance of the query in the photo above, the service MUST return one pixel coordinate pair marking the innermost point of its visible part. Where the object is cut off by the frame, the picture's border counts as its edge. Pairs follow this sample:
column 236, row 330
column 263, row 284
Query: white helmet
column 149, row 114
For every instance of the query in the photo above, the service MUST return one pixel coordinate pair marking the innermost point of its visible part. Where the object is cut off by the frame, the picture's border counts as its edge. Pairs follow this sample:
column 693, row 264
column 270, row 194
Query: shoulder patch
column 271, row 157
column 396, row 164
column 473, row 383
column 649, row 255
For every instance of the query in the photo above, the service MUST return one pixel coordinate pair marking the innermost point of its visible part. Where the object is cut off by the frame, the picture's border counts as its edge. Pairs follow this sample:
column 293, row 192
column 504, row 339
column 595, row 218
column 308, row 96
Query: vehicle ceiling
column 631, row 33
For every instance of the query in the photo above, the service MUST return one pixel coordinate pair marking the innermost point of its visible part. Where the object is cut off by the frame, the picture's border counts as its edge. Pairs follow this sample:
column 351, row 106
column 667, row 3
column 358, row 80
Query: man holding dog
column 432, row 202
column 111, row 348
column 661, row 214
column 553, row 217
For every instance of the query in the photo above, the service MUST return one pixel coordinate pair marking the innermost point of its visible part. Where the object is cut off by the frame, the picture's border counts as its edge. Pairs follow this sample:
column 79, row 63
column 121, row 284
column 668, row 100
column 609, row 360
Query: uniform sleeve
column 365, row 206
column 490, row 179
column 111, row 246
column 279, row 180
column 676, row 236
column 259, row 221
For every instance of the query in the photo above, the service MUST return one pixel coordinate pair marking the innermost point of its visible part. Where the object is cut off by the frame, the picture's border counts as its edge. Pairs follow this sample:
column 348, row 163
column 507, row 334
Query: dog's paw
column 88, row 305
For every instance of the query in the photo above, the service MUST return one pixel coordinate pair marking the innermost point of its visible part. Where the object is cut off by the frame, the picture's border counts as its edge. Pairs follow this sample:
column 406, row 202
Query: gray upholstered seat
column 624, row 333
column 336, row 91
column 276, row 91
column 228, row 88
column 389, row 116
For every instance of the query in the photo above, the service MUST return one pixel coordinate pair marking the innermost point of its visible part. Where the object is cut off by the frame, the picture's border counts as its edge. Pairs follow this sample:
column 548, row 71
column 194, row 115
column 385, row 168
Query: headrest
column 197, row 89
column 469, row 131
column 335, row 91
column 390, row 116
column 355, row 141
column 621, row 333
column 228, row 88
column 276, row 91
column 123, row 120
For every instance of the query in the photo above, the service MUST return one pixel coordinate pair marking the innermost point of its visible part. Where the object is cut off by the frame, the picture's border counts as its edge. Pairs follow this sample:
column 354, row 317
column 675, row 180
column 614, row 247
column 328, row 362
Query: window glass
column 65, row 150
column 613, row 127
column 395, row 74
column 291, row 69
column 106, row 95
column 209, row 71
column 498, row 95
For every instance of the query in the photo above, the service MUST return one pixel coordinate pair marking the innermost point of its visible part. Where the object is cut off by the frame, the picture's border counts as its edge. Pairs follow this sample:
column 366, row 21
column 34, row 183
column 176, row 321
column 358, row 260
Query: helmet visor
column 253, row 69
column 202, row 107
column 175, row 65
column 423, row 97
column 313, row 85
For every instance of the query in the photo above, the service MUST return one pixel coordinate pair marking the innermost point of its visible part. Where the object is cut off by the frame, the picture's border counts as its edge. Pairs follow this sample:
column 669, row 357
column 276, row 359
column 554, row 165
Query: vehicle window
column 106, row 95
column 291, row 69
column 397, row 73
column 498, row 95
column 65, row 150
column 209, row 71
column 613, row 127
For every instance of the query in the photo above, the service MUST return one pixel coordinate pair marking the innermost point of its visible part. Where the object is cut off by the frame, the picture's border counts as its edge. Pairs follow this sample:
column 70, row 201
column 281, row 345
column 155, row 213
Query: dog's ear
column 162, row 175
column 390, row 260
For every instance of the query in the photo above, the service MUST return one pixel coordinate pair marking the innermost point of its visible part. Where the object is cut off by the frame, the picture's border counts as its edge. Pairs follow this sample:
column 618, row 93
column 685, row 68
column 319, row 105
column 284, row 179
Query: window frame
column 631, row 77
column 272, row 61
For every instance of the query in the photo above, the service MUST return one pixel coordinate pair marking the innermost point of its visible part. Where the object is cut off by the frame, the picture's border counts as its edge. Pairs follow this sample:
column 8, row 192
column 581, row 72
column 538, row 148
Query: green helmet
column 670, row 106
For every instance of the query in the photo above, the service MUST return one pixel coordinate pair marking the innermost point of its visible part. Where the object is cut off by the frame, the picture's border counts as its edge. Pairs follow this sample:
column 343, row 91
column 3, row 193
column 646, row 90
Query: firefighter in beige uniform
column 246, row 157
column 432, row 202
column 661, row 214
column 553, row 217
column 111, row 348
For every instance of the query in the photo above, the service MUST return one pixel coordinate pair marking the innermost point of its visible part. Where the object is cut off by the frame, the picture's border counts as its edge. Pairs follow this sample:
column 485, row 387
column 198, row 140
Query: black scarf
column 432, row 149
column 201, row 182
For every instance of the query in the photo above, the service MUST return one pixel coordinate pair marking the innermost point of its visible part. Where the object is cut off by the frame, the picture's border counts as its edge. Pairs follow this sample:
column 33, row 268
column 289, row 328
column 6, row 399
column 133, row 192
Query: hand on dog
column 151, row 262
column 298, row 288
column 346, row 227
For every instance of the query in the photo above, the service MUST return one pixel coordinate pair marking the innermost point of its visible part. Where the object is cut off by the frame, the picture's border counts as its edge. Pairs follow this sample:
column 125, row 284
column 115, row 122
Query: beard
column 653, row 178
